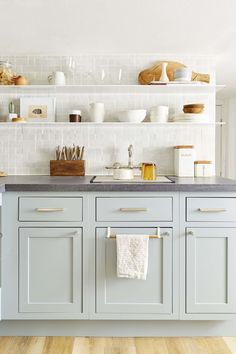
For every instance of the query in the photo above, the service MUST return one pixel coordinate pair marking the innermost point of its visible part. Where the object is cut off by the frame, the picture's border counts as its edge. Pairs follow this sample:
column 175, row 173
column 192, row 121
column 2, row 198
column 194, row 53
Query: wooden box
column 67, row 167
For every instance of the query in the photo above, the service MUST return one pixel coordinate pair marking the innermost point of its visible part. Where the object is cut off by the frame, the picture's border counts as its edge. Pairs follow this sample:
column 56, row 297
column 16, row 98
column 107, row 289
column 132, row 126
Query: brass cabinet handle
column 133, row 209
column 212, row 210
column 48, row 210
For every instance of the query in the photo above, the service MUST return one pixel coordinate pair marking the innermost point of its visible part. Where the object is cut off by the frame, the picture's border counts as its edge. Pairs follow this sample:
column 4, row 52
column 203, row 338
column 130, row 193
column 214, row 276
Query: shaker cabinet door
column 210, row 270
column 130, row 296
column 50, row 270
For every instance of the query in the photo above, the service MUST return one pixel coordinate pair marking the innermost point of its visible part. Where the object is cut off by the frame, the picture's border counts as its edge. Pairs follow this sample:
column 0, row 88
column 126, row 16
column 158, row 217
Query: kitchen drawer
column 134, row 209
column 50, row 209
column 211, row 209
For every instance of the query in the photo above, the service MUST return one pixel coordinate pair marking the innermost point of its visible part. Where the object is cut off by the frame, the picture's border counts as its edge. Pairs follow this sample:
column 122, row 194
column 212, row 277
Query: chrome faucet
column 130, row 152
column 130, row 161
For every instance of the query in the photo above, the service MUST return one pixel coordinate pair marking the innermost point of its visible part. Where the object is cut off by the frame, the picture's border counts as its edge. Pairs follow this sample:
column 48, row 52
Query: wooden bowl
column 193, row 109
column 193, row 105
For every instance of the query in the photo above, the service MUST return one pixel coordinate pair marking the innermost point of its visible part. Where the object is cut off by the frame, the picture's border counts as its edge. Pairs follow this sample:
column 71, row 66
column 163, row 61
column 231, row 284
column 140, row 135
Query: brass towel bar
column 110, row 236
column 150, row 236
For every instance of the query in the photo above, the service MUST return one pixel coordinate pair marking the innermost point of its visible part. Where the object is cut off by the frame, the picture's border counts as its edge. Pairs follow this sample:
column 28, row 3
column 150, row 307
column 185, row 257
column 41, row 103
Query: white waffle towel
column 132, row 256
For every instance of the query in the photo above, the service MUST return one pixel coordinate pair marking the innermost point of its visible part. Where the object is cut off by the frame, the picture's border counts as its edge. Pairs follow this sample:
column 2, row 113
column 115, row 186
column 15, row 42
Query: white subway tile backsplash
column 31, row 151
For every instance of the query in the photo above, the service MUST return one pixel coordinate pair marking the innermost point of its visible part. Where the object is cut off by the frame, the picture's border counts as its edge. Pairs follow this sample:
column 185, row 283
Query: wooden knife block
column 67, row 167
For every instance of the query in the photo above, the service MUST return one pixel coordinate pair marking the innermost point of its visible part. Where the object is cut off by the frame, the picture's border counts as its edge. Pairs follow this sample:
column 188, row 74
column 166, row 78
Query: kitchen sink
column 137, row 179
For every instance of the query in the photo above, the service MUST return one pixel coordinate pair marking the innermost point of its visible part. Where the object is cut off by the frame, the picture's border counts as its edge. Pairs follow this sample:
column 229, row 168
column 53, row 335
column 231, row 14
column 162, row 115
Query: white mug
column 97, row 112
column 57, row 78
column 159, row 114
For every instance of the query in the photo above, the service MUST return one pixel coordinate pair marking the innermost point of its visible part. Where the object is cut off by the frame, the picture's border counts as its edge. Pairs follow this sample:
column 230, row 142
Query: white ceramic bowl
column 182, row 74
column 132, row 115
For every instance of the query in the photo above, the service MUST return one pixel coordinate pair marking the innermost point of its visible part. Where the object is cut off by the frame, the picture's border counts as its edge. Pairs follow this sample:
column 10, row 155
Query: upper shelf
column 192, row 88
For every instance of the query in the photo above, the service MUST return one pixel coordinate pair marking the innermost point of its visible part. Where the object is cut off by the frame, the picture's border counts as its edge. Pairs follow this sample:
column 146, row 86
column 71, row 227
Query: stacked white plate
column 190, row 118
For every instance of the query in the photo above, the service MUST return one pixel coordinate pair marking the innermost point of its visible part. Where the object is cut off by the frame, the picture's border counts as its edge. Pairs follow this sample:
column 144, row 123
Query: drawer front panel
column 211, row 209
column 50, row 209
column 134, row 209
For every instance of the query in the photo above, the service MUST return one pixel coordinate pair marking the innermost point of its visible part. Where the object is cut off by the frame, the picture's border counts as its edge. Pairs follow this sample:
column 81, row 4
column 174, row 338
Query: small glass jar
column 6, row 74
column 148, row 171
column 75, row 116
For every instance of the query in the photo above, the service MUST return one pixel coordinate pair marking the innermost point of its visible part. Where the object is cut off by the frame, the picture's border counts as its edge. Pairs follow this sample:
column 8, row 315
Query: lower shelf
column 167, row 125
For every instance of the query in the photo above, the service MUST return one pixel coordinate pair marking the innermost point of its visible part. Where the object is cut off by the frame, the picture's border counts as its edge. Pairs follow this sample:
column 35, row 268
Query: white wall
column 62, row 27
column 75, row 26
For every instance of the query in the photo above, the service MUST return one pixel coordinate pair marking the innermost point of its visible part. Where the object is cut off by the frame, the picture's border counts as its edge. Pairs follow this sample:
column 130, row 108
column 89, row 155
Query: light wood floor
column 90, row 345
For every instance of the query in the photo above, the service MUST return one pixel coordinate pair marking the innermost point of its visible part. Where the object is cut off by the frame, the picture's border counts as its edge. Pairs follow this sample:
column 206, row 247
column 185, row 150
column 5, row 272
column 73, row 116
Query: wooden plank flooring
column 91, row 345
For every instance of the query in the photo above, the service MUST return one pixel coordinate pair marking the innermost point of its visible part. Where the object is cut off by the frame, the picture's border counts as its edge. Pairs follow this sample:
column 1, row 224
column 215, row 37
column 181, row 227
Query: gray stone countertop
column 82, row 184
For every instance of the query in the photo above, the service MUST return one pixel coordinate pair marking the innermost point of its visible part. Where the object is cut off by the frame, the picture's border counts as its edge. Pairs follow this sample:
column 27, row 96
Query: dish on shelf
column 132, row 116
column 179, row 82
column 190, row 117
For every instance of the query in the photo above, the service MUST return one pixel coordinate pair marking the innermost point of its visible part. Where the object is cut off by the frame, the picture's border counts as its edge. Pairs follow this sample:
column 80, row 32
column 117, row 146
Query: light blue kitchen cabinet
column 58, row 264
column 153, row 296
column 210, row 270
column 50, row 270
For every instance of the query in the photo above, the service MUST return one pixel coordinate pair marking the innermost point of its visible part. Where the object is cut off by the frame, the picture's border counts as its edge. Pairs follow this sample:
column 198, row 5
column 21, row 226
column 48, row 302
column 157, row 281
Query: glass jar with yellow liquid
column 148, row 171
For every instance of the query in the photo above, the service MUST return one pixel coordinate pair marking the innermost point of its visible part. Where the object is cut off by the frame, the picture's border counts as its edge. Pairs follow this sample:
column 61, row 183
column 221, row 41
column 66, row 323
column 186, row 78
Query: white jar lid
column 75, row 111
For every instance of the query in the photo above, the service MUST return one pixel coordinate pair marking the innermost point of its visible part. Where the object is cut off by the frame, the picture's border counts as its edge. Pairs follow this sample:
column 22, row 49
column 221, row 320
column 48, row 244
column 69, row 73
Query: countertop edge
column 82, row 184
column 119, row 188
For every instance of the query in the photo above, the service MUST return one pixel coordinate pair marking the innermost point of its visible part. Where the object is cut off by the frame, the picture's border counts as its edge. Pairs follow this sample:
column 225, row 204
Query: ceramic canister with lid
column 184, row 160
column 203, row 168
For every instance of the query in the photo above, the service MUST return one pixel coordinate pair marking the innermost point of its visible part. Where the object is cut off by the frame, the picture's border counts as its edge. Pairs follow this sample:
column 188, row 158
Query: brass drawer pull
column 212, row 210
column 133, row 209
column 48, row 210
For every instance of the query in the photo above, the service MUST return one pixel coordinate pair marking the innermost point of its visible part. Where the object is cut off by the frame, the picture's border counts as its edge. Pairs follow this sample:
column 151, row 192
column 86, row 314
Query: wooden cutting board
column 154, row 73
